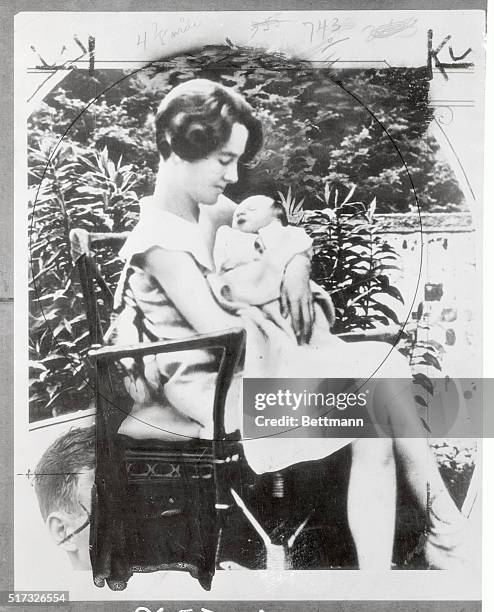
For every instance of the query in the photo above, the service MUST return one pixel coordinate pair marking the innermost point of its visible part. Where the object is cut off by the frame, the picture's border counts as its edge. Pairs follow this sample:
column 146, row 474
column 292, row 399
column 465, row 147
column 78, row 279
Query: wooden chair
column 157, row 504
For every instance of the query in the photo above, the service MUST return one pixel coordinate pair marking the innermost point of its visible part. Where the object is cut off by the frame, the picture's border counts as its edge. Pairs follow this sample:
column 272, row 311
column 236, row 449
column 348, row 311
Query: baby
column 251, row 256
column 250, row 259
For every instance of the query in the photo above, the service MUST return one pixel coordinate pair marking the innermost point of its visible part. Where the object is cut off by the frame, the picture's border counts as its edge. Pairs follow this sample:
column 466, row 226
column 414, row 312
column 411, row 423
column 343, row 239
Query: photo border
column 7, row 14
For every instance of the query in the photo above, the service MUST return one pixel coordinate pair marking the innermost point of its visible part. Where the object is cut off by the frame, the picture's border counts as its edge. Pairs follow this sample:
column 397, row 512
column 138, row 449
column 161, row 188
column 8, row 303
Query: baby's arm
column 232, row 249
column 283, row 243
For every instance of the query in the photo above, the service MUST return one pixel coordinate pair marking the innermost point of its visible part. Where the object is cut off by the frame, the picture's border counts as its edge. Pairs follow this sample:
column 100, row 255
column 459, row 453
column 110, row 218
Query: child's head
column 256, row 212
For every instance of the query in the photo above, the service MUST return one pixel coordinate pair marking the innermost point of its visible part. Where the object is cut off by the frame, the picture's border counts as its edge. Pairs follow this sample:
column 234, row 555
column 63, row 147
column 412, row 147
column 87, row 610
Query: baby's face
column 252, row 214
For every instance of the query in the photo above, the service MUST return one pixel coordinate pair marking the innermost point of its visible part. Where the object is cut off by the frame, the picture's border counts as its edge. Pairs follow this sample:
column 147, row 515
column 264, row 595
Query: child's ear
column 60, row 525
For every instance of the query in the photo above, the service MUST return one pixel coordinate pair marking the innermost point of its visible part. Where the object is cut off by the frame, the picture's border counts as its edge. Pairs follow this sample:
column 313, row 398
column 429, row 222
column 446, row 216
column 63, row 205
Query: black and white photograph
column 248, row 284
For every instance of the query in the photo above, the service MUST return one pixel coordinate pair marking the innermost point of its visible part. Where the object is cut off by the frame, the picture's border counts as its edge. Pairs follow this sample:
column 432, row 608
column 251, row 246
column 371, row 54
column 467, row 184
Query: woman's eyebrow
column 228, row 153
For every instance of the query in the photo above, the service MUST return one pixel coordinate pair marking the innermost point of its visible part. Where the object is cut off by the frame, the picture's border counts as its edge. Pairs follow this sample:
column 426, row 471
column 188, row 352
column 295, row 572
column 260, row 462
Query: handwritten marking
column 320, row 51
column 267, row 24
column 164, row 35
column 459, row 57
column 78, row 43
column 325, row 28
column 386, row 30
column 91, row 44
column 331, row 42
column 66, row 64
column 432, row 54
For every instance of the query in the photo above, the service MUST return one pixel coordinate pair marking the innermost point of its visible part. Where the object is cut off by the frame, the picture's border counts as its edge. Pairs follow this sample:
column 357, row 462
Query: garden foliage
column 346, row 144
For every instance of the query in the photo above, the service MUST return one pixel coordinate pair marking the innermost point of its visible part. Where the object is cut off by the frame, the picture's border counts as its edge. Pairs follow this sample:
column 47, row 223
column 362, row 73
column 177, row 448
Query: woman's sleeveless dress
column 189, row 377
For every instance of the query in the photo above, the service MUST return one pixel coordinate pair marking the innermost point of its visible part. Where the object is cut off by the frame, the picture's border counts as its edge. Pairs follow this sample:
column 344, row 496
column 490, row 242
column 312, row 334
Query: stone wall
column 440, row 279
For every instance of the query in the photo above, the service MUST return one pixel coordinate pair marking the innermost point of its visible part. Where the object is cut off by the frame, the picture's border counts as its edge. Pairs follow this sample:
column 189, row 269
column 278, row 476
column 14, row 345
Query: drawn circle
column 336, row 83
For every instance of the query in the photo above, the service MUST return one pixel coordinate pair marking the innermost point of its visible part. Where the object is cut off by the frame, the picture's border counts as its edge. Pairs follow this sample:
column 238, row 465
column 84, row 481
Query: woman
column 203, row 129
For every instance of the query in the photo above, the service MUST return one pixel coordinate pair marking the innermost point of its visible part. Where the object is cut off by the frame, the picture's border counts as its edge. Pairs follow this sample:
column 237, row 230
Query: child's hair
column 279, row 212
column 56, row 476
column 196, row 117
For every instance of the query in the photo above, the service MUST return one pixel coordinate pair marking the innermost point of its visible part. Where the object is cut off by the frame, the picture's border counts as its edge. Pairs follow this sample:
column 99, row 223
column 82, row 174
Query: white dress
column 189, row 377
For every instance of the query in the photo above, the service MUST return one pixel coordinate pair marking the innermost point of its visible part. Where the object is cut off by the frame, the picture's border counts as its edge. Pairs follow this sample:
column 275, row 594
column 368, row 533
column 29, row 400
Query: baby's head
column 256, row 212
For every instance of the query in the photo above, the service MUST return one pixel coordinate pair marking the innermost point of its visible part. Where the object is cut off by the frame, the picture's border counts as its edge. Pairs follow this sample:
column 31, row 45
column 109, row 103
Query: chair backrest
column 90, row 276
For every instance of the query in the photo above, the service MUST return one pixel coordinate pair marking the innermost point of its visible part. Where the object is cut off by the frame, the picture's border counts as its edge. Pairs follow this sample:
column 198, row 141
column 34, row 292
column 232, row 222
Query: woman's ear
column 60, row 525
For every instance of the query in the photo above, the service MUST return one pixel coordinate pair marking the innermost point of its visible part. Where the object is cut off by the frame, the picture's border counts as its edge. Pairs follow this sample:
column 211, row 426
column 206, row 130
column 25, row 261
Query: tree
column 92, row 156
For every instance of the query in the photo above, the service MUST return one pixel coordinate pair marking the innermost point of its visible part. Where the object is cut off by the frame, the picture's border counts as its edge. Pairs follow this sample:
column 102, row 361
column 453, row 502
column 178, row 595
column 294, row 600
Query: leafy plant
column 457, row 462
column 351, row 261
column 345, row 125
column 293, row 207
column 92, row 156
column 70, row 190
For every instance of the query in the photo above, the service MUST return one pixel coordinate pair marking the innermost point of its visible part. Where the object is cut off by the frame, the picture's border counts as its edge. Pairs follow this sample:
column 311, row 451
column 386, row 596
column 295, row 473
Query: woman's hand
column 296, row 297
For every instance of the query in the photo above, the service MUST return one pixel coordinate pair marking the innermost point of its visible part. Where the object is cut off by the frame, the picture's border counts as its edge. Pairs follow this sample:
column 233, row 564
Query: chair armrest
column 231, row 341
column 228, row 340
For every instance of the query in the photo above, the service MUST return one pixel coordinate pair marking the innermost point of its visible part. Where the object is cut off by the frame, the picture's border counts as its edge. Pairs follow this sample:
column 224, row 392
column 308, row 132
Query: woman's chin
column 212, row 198
column 209, row 202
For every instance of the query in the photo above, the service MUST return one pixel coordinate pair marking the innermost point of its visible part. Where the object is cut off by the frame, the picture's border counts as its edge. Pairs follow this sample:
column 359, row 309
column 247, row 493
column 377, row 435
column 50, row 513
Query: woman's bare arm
column 296, row 297
column 187, row 288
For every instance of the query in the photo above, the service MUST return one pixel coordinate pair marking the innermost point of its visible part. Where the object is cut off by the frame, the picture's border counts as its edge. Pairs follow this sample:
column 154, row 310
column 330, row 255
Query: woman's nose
column 231, row 174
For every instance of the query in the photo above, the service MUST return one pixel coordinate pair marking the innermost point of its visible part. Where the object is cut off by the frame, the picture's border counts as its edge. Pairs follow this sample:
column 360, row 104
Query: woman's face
column 205, row 179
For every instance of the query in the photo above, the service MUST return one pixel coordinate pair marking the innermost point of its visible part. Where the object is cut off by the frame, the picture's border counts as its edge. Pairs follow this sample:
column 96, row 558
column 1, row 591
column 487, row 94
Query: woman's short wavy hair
column 196, row 117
